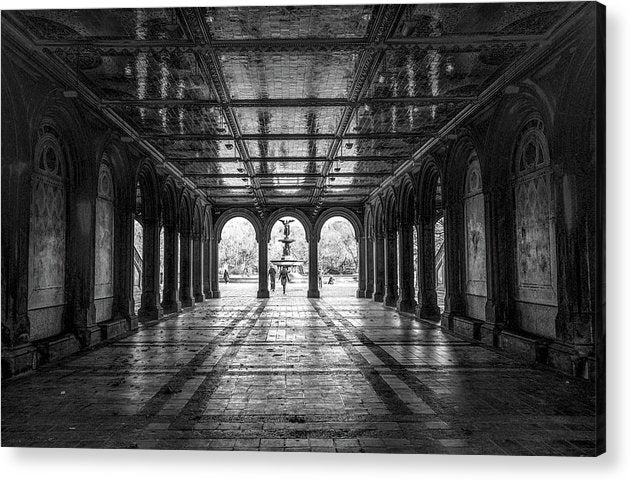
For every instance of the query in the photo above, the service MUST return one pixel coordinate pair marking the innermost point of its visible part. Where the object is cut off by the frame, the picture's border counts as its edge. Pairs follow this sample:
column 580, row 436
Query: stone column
column 370, row 268
column 198, row 259
column 186, row 275
column 361, row 255
column 314, row 291
column 406, row 301
column 206, row 268
column 150, row 308
column 379, row 269
column 454, row 296
column 428, row 301
column 124, row 277
column 392, row 288
column 214, row 263
column 263, row 291
column 170, row 301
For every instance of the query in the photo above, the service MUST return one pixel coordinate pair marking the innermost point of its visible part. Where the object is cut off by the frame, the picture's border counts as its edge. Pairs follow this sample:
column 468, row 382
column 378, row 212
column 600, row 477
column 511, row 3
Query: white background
column 181, row 466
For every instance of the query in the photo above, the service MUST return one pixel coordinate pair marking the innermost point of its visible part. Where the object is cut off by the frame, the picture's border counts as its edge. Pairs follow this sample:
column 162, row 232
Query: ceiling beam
column 322, row 102
column 290, row 137
column 286, row 175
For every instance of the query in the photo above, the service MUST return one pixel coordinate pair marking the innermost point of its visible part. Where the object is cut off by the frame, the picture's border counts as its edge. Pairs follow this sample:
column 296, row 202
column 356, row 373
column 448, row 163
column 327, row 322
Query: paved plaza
column 296, row 374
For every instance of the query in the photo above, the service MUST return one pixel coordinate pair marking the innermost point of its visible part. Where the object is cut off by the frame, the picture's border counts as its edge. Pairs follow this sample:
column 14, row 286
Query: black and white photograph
column 343, row 228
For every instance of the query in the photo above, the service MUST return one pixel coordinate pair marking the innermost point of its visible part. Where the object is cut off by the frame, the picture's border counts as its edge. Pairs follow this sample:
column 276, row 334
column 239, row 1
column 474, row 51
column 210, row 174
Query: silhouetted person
column 226, row 276
column 272, row 278
column 283, row 277
column 331, row 281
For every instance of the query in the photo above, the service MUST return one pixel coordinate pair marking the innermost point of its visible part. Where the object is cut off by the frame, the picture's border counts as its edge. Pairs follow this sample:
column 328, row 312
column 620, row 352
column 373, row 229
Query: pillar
column 263, row 291
column 379, row 269
column 150, row 308
column 214, row 263
column 361, row 290
column 428, row 301
column 170, row 299
column 454, row 296
column 370, row 268
column 391, row 282
column 206, row 268
column 198, row 259
column 186, row 275
column 406, row 302
column 314, row 291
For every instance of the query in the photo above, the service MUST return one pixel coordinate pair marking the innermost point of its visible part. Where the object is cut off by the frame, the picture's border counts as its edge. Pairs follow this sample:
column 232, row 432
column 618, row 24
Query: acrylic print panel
column 472, row 125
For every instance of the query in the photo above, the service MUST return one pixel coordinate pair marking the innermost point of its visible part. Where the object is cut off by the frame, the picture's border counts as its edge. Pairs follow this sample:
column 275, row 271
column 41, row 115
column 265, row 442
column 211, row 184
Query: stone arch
column 185, row 211
column 237, row 213
column 147, row 179
column 346, row 213
column 406, row 201
column 169, row 203
column 390, row 210
column 287, row 212
column 430, row 176
column 198, row 224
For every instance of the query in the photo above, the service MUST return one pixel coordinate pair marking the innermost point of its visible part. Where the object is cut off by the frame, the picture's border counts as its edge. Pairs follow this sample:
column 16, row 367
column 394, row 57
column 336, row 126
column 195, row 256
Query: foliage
column 337, row 251
column 238, row 249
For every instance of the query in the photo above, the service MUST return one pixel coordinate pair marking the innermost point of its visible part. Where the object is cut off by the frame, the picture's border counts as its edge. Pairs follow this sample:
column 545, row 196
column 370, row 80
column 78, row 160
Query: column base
column 199, row 298
column 313, row 293
column 428, row 312
column 188, row 303
column 262, row 294
column 378, row 297
column 113, row 328
column 216, row 294
column 208, row 294
column 407, row 306
column 390, row 300
column 360, row 294
column 173, row 307
column 150, row 314
column 368, row 294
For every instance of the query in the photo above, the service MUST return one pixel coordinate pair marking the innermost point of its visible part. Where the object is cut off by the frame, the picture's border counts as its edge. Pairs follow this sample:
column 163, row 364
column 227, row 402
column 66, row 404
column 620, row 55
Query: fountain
column 287, row 260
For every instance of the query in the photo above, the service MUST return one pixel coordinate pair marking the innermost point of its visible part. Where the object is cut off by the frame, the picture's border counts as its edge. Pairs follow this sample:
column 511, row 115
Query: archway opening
column 288, row 243
column 439, row 247
column 338, row 259
column 138, row 249
column 238, row 258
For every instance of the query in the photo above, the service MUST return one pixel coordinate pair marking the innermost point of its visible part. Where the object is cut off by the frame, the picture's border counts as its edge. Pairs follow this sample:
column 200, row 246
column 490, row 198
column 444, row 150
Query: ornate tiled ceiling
column 282, row 105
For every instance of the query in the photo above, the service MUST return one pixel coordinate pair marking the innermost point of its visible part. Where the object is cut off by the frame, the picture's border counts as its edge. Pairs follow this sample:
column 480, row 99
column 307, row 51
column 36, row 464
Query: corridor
column 296, row 374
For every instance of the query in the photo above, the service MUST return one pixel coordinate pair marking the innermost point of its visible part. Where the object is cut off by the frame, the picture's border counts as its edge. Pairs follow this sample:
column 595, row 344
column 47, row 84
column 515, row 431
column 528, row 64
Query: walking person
column 226, row 276
column 272, row 278
column 284, row 276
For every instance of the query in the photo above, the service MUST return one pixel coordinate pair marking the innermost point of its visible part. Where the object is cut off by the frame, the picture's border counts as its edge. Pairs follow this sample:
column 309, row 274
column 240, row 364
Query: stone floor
column 292, row 374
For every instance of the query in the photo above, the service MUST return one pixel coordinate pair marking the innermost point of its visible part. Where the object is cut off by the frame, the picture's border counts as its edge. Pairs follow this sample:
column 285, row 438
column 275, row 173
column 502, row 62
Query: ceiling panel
column 288, row 75
column 434, row 20
column 192, row 149
column 182, row 119
column 289, row 148
column 194, row 167
column 288, row 120
column 397, row 117
column 398, row 147
column 362, row 167
column 289, row 191
column 413, row 71
column 139, row 76
column 337, row 181
column 307, row 167
column 110, row 24
column 285, row 22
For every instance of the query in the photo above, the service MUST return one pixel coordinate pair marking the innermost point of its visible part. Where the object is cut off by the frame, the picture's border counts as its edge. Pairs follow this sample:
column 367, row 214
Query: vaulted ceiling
column 282, row 105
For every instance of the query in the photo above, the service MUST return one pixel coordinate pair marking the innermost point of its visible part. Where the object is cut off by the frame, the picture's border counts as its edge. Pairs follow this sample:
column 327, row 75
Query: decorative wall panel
column 104, row 247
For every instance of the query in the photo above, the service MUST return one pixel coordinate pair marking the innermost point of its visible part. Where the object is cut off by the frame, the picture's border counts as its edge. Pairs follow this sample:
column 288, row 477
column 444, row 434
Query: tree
column 238, row 249
column 338, row 247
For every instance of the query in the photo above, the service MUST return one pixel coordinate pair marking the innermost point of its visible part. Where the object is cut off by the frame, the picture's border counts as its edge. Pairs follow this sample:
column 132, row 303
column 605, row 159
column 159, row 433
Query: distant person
column 320, row 278
column 272, row 278
column 226, row 276
column 331, row 280
column 283, row 277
